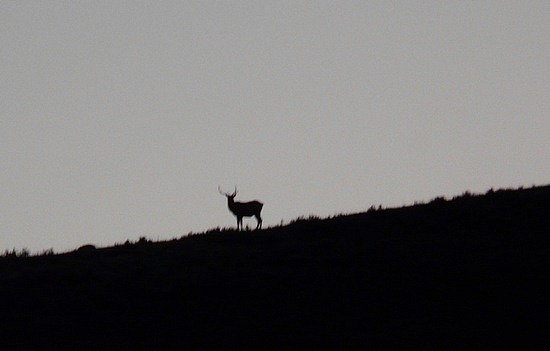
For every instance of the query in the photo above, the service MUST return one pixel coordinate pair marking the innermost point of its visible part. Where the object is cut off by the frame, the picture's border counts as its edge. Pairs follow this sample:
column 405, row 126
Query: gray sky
column 119, row 119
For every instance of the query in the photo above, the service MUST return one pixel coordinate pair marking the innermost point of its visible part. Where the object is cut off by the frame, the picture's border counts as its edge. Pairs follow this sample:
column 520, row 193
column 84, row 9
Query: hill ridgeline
column 467, row 272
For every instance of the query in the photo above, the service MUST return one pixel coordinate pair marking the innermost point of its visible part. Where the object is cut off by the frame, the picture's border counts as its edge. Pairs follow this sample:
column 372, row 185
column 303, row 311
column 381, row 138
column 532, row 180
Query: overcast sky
column 119, row 119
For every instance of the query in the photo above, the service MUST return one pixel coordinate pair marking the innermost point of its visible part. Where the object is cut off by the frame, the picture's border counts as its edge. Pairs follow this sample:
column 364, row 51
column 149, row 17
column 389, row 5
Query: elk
column 243, row 209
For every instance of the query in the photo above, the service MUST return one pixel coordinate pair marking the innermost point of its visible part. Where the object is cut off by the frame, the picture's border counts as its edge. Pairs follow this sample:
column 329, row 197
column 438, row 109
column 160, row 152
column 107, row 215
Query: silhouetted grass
column 467, row 272
column 16, row 253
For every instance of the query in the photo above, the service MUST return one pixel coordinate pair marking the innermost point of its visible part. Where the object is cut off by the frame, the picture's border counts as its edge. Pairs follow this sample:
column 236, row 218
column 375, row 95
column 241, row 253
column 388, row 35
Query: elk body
column 243, row 209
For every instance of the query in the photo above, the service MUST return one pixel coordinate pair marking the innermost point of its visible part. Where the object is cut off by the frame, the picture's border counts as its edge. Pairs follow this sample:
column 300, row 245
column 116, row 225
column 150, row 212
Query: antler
column 227, row 194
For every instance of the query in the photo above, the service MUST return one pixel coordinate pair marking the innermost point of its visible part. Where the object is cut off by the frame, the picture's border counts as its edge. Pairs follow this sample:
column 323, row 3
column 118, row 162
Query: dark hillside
column 468, row 272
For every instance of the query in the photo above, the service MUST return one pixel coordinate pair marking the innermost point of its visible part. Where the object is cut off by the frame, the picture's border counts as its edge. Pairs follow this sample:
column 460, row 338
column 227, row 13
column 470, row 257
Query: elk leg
column 239, row 223
column 259, row 219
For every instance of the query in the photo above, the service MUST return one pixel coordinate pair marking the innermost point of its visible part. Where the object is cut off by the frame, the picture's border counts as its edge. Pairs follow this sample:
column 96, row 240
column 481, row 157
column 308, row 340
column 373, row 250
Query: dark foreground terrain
column 467, row 273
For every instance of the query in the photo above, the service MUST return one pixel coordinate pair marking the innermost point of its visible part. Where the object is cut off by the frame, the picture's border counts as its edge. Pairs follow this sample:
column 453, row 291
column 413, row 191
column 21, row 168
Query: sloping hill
column 471, row 271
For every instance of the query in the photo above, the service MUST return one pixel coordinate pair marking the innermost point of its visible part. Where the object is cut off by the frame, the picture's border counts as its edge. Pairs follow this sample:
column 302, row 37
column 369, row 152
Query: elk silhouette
column 243, row 209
